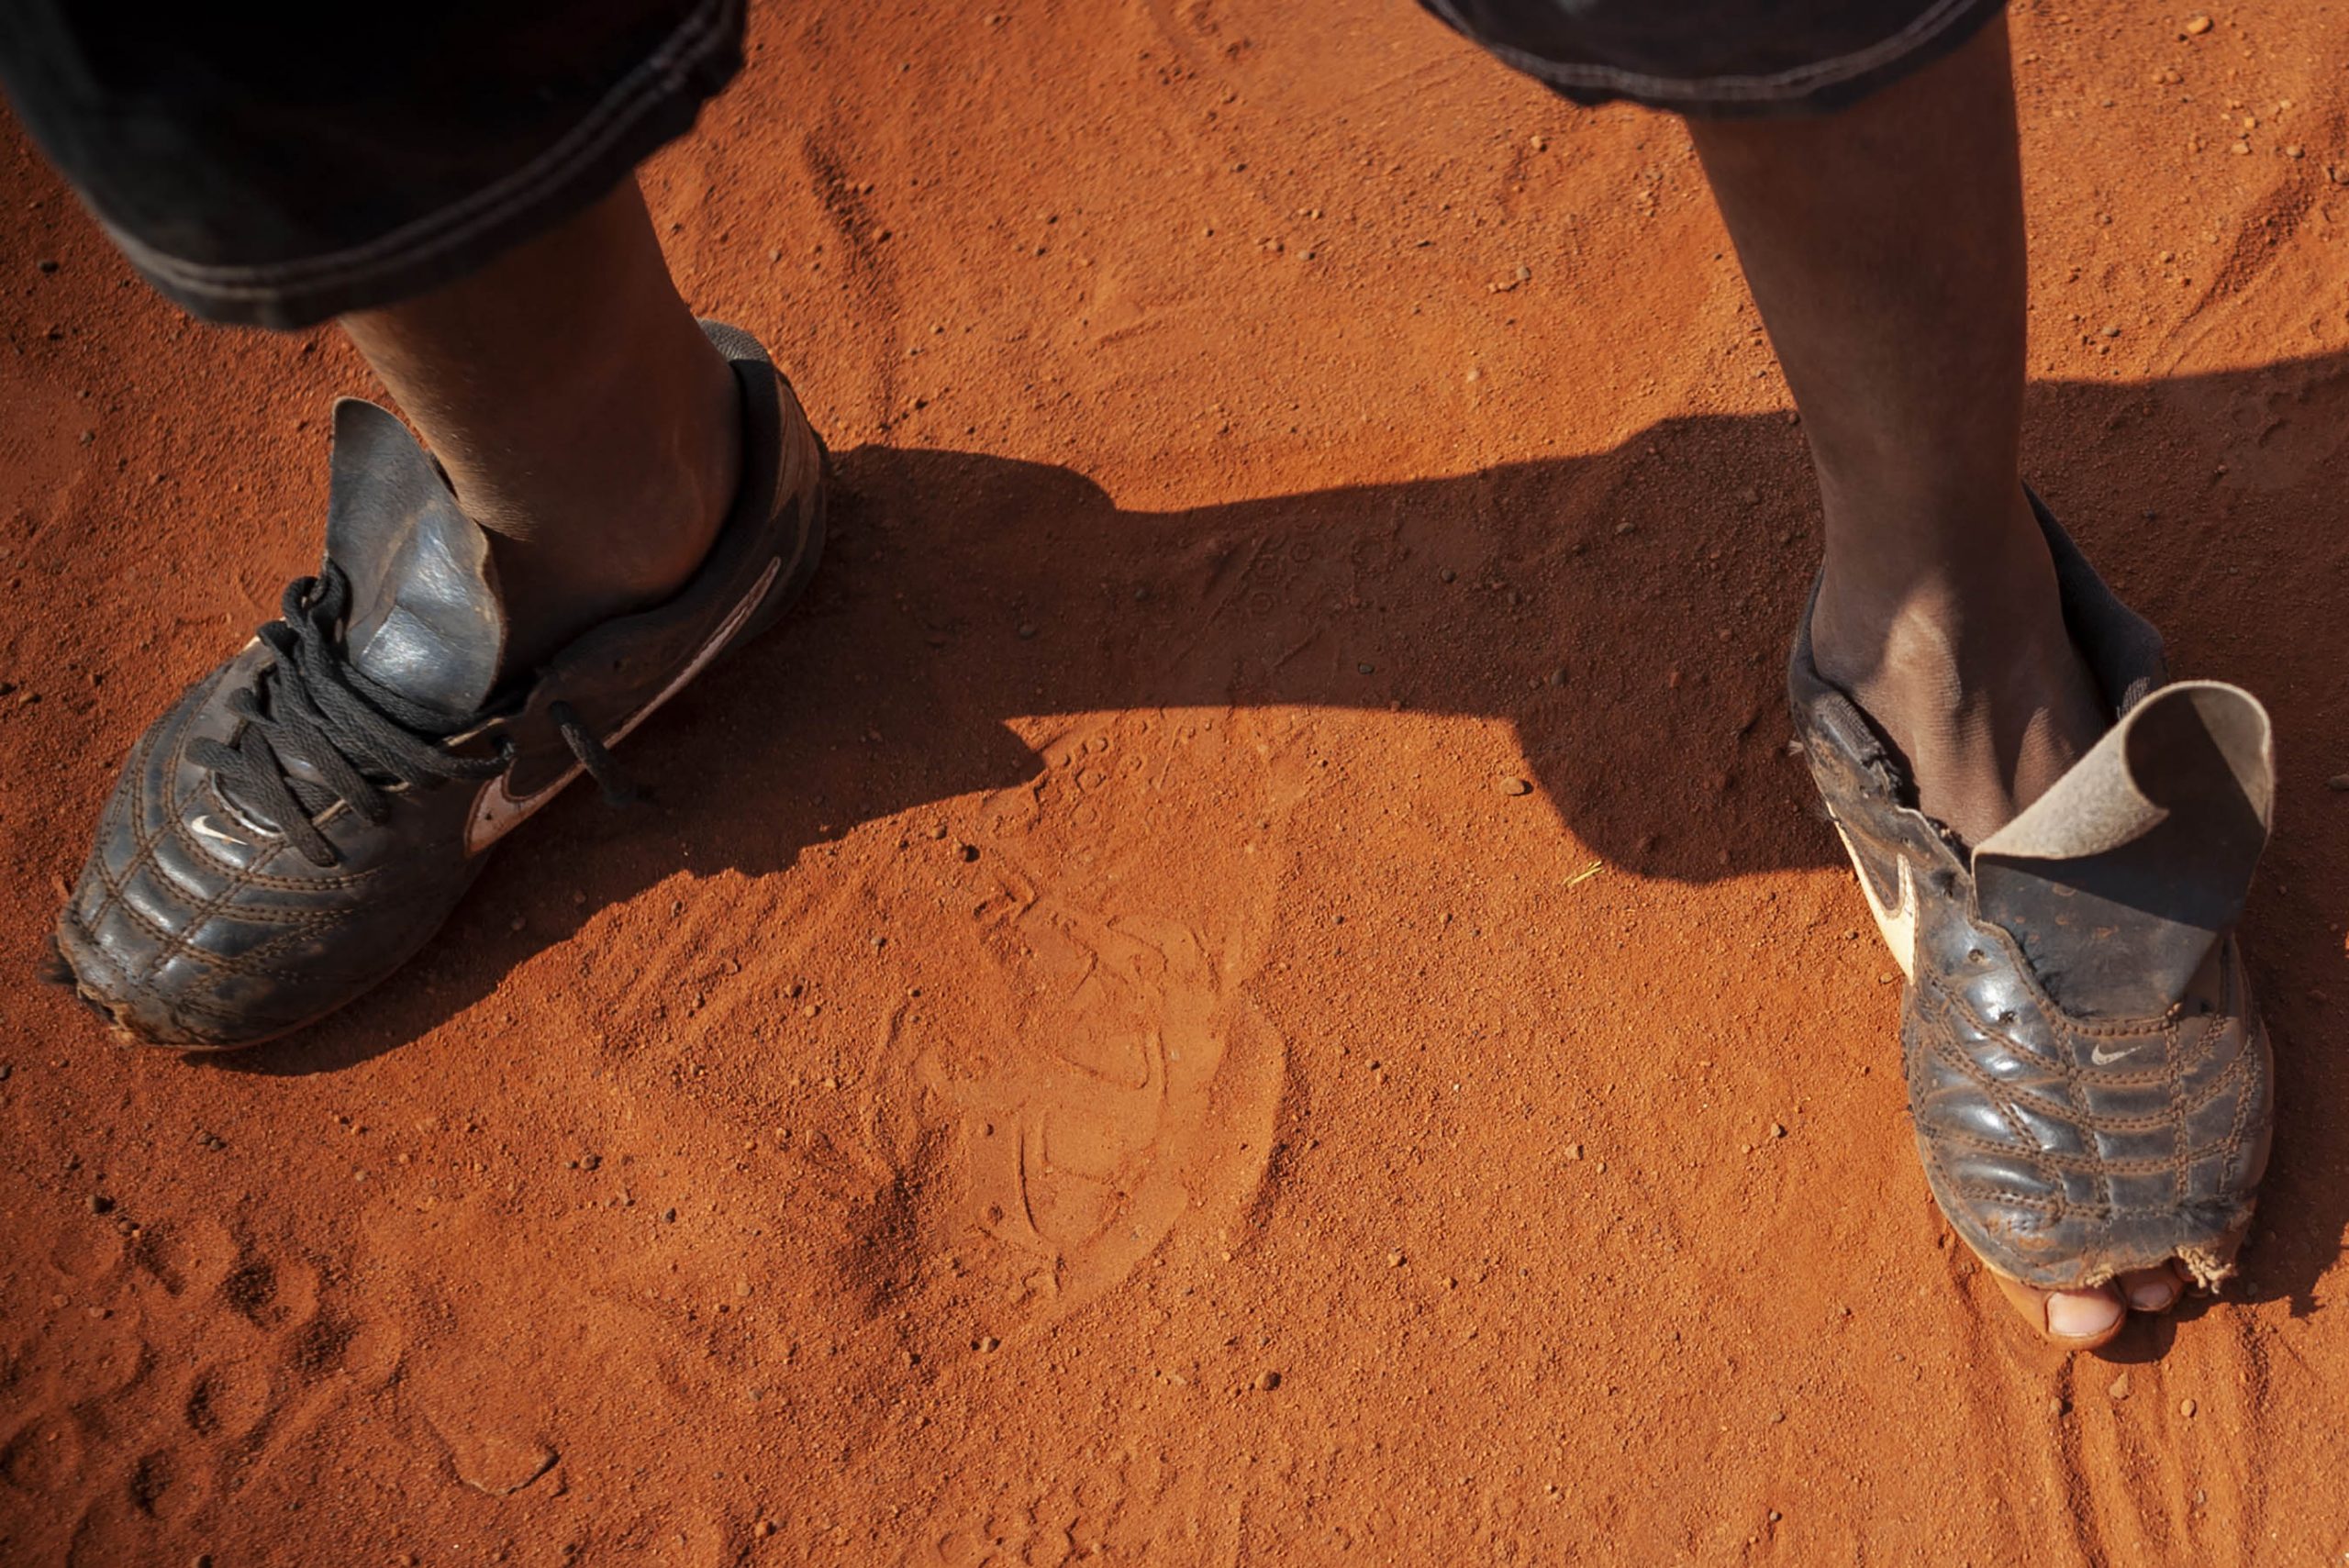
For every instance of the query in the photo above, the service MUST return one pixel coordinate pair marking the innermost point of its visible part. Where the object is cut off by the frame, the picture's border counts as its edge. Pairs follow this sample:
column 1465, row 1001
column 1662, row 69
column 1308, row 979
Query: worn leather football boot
column 309, row 814
column 2088, row 1080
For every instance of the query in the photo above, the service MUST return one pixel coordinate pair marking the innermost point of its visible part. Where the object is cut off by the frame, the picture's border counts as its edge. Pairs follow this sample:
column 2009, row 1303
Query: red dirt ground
column 1265, row 430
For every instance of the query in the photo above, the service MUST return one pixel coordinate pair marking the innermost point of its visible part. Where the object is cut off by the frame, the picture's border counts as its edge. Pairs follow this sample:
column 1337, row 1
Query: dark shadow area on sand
column 1626, row 613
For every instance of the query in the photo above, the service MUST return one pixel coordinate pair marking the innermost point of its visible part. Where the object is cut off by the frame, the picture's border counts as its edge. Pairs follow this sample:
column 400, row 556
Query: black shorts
column 1718, row 58
column 278, row 176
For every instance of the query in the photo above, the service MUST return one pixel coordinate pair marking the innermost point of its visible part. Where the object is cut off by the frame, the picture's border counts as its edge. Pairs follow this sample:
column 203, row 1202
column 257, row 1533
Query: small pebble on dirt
column 1778, row 1130
column 2119, row 1387
column 1513, row 786
column 2338, row 784
column 1448, row 575
column 988, row 1342
column 100, row 1203
column 1394, row 1260
column 2055, row 1406
column 46, row 265
column 2185, row 1409
column 2197, row 26
column 1027, row 629
column 1267, row 1381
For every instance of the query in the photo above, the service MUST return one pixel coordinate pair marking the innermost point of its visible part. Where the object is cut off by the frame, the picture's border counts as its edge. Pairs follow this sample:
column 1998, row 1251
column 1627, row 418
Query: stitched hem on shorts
column 1817, row 85
column 653, row 103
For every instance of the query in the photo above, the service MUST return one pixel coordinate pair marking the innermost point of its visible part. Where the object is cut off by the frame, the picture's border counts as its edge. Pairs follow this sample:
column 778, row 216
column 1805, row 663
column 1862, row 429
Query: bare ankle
column 1972, row 675
column 633, row 539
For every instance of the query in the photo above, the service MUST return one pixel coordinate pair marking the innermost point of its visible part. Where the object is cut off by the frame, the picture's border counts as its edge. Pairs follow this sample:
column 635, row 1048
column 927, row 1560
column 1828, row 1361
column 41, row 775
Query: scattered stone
column 2197, row 26
column 2294, row 149
column 1558, row 677
column 2055, row 1406
column 1778, row 1130
column 766, row 1527
column 668, row 1216
column 988, row 1342
column 1268, row 1381
column 46, row 265
column 967, row 851
column 2185, row 1409
column 498, row 1464
column 1513, row 786
column 6, row 1069
column 589, row 1162
column 1540, row 142
column 2119, row 1387
column 2113, row 332
column 2338, row 784
column 1027, row 629
column 1394, row 1260
column 100, row 1203
column 1365, row 668
column 1574, row 1150
column 1448, row 575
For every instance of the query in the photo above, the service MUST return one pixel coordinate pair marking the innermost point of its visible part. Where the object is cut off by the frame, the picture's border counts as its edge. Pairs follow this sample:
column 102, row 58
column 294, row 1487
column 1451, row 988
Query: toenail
column 2152, row 1295
column 2081, row 1317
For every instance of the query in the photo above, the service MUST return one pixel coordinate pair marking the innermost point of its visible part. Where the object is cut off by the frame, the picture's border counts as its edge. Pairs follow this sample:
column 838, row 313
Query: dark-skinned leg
column 1885, row 247
column 583, row 418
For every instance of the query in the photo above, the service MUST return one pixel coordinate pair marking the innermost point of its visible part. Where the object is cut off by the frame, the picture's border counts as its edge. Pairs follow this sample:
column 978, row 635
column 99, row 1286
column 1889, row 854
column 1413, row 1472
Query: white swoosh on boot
column 496, row 812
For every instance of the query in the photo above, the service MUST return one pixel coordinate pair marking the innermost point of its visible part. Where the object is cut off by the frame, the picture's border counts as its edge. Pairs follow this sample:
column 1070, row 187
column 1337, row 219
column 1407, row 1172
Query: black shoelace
column 310, row 706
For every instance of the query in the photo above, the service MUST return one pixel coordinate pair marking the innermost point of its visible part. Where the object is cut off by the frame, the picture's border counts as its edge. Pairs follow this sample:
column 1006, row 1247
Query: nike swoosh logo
column 498, row 812
column 1899, row 923
column 2104, row 1058
column 204, row 827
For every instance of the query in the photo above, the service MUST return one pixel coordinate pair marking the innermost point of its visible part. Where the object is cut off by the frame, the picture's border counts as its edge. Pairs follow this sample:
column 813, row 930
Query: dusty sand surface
column 1085, row 1057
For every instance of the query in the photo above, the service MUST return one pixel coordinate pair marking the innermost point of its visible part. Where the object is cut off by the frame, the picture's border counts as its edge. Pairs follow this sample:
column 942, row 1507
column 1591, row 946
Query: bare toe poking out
column 2152, row 1290
column 2076, row 1319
